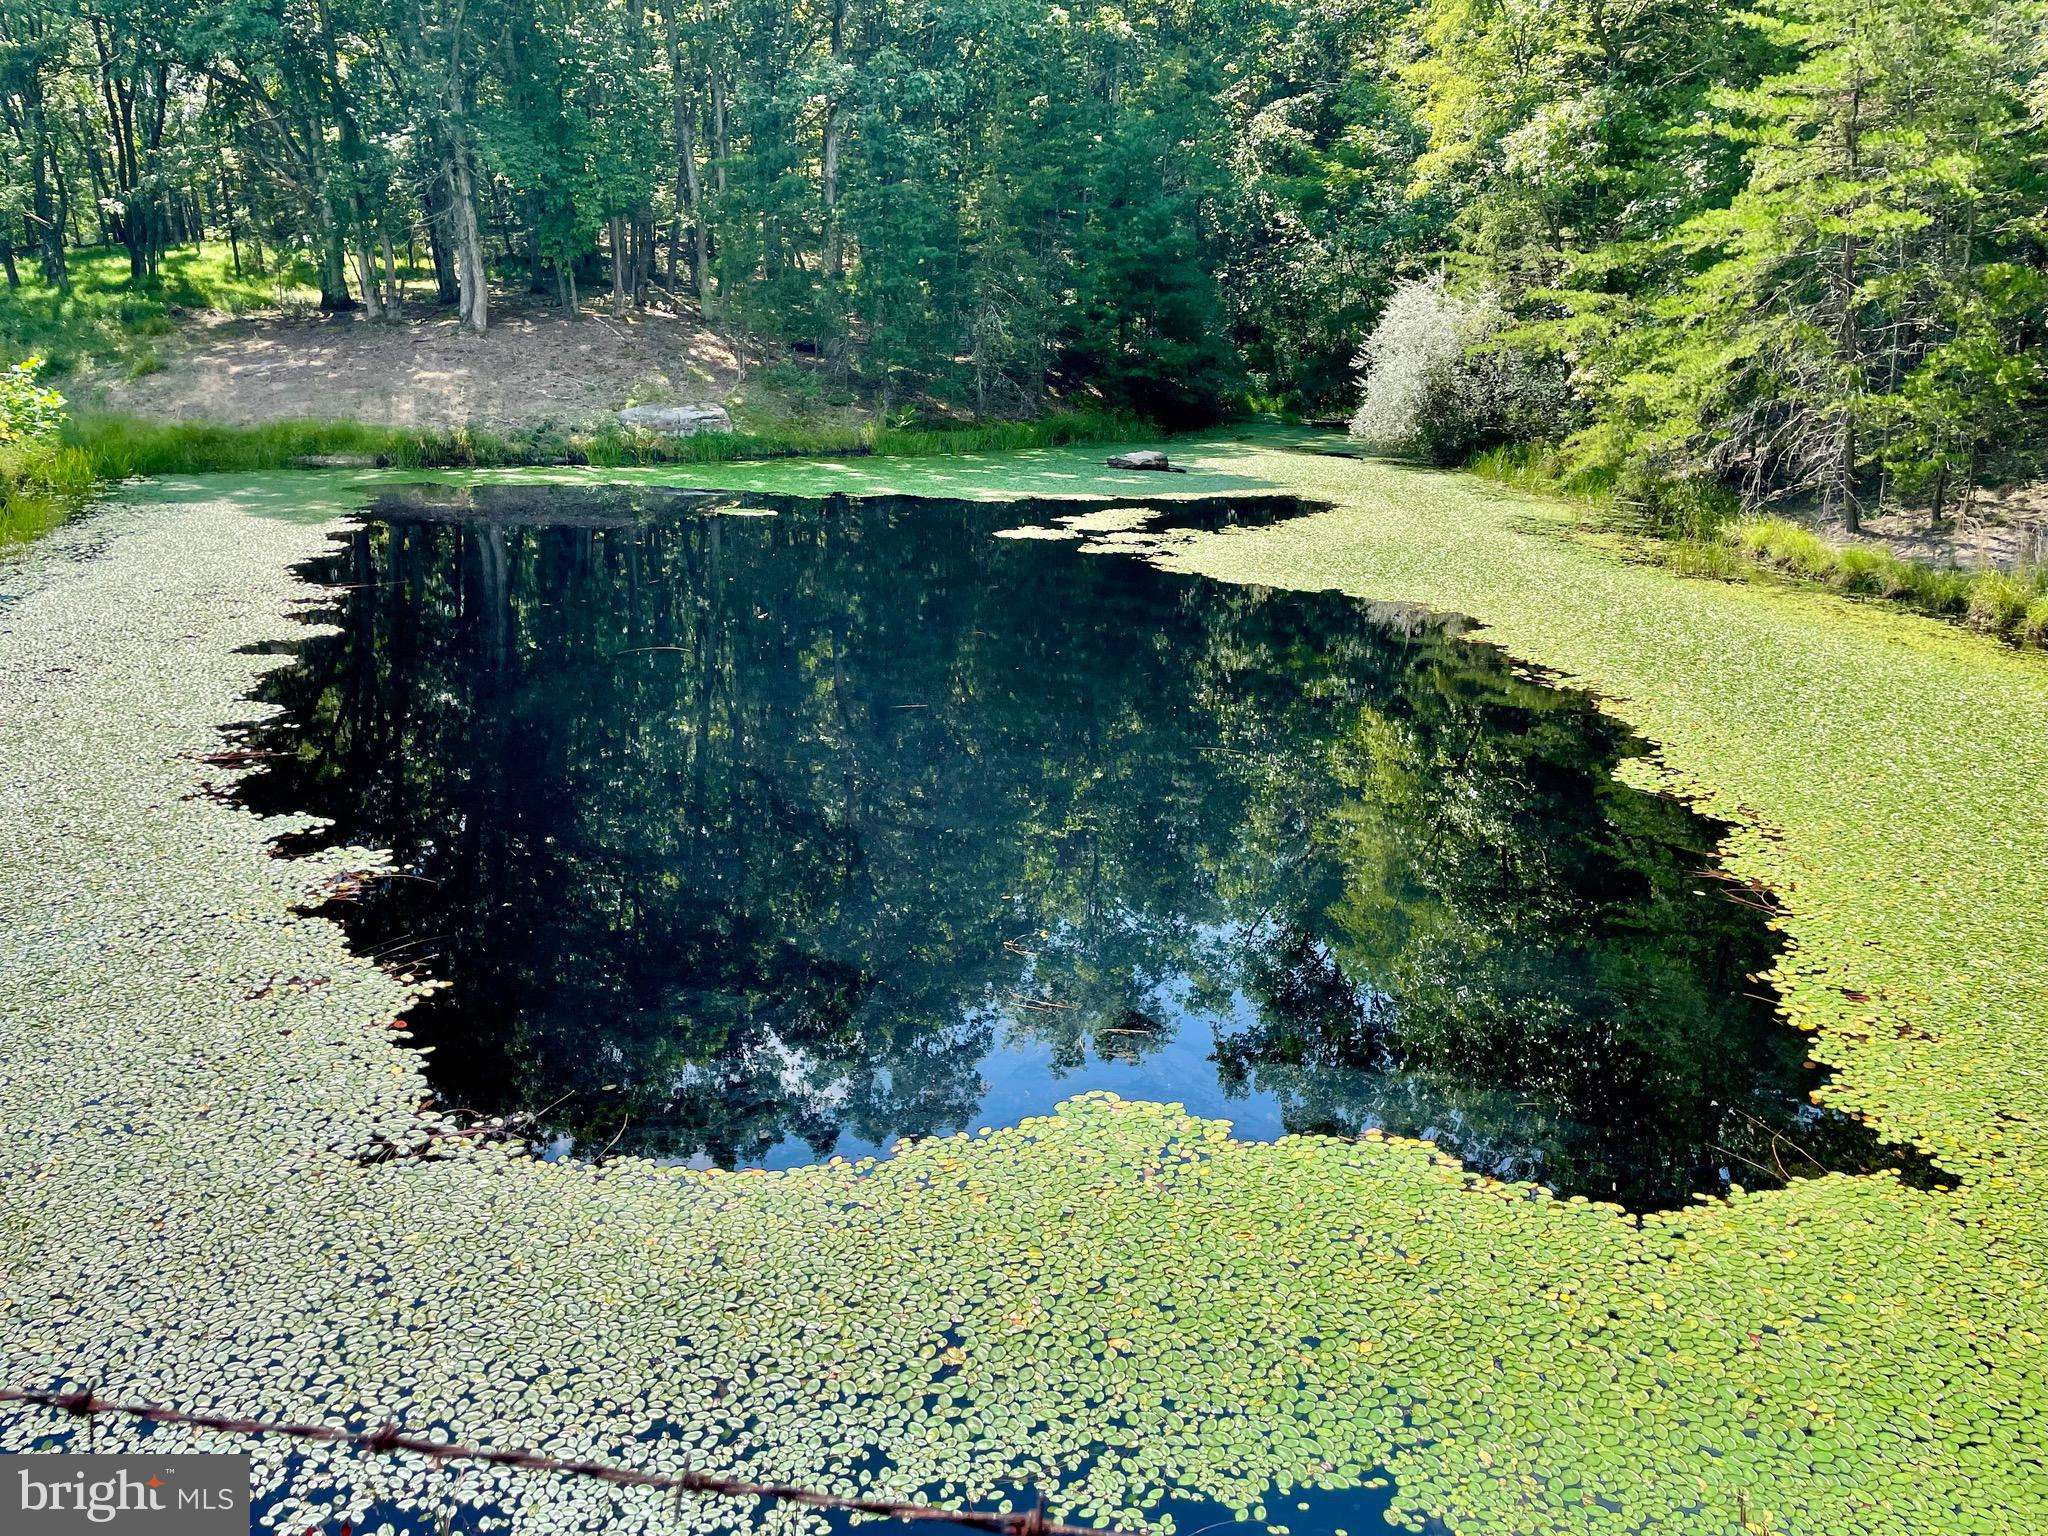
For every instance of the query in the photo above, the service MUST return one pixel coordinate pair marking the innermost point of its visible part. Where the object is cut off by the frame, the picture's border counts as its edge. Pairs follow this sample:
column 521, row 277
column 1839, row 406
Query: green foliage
column 1323, row 216
column 1794, row 250
column 1869, row 298
column 29, row 411
column 41, row 483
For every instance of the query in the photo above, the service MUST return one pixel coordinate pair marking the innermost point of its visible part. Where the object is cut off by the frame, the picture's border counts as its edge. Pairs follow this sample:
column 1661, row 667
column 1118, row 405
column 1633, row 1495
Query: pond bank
column 1115, row 1288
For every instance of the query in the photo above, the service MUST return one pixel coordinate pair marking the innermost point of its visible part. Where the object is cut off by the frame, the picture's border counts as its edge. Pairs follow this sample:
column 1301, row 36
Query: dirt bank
column 535, row 366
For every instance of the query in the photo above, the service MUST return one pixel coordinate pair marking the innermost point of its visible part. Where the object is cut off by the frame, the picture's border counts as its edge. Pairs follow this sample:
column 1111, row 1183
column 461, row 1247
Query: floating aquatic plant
column 1113, row 1302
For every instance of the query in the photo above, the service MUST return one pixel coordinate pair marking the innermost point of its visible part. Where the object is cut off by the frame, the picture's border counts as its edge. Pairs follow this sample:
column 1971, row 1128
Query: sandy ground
column 535, row 367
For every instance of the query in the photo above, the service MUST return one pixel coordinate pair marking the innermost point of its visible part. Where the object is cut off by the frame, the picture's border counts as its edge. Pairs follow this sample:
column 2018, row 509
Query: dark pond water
column 753, row 839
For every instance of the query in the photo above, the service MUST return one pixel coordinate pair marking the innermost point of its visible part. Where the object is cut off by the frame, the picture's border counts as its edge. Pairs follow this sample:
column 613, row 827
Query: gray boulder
column 675, row 420
column 1143, row 458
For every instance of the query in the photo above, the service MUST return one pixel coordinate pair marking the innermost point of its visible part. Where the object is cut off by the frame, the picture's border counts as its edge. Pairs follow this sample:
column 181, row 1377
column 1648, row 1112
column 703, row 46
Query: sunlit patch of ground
column 536, row 366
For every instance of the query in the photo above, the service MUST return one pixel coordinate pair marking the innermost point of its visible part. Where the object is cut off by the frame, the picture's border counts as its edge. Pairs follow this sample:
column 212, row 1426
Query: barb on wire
column 389, row 1439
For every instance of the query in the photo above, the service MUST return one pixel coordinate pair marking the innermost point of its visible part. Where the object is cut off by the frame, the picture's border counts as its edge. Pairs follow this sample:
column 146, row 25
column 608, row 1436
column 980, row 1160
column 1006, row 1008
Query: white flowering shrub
column 1436, row 382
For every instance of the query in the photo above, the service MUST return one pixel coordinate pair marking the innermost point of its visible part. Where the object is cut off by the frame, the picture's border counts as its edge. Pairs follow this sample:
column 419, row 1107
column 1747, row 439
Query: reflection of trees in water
column 745, row 830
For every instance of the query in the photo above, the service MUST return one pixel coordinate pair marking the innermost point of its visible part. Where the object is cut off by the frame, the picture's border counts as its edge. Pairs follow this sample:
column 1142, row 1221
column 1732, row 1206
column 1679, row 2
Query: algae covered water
column 754, row 831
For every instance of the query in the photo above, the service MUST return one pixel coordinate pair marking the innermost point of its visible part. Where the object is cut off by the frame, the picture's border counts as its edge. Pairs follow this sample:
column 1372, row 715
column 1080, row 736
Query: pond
column 749, row 831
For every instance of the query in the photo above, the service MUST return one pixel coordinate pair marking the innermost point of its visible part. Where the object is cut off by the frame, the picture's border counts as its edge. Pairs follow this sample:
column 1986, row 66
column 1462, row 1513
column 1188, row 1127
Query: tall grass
column 1671, row 508
column 41, row 484
column 118, row 447
column 2010, row 604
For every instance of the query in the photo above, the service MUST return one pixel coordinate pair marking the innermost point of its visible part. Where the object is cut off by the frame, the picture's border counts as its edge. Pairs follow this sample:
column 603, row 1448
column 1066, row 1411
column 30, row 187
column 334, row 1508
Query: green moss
column 1119, row 1298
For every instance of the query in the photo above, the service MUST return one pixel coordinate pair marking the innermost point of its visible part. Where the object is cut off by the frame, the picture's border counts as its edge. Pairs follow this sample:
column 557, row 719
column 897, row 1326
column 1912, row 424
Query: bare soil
column 2004, row 530
column 535, row 367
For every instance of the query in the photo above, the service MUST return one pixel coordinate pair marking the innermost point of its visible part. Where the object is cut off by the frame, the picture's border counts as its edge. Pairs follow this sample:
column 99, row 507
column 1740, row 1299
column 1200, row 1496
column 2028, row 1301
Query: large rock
column 1144, row 458
column 675, row 420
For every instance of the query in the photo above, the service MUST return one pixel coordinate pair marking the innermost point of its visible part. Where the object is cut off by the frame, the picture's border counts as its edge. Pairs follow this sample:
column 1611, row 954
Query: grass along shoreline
column 119, row 447
column 2011, row 605
column 1697, row 535
column 43, row 483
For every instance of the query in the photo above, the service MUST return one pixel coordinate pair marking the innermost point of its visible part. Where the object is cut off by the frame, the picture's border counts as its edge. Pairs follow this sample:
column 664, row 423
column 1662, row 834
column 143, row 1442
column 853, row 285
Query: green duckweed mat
column 1117, row 1299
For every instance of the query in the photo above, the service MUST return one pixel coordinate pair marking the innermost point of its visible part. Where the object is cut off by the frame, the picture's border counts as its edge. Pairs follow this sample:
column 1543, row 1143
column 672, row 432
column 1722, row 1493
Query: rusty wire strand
column 389, row 1439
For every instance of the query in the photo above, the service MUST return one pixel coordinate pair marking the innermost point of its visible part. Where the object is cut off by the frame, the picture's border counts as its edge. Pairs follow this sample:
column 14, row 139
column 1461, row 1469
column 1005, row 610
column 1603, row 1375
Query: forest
column 1690, row 253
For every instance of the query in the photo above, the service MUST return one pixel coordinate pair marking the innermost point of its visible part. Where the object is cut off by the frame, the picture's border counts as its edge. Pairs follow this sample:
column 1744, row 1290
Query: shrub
column 41, row 482
column 29, row 411
column 1687, row 506
column 1439, row 381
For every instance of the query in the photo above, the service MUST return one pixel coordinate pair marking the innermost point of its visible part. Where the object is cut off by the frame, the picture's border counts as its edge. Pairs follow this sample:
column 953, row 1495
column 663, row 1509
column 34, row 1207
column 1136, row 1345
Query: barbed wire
column 391, row 1440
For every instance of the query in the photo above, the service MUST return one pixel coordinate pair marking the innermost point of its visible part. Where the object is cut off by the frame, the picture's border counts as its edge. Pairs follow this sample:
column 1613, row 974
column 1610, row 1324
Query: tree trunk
column 643, row 255
column 536, row 263
column 622, row 280
column 689, row 188
column 334, row 296
column 835, row 253
column 718, row 132
column 447, row 289
column 366, row 279
column 49, row 213
column 227, row 211
column 1842, row 481
column 471, row 279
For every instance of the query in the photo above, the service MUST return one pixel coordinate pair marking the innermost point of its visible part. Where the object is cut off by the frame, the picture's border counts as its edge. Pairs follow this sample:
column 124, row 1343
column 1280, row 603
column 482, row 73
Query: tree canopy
column 1791, row 248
